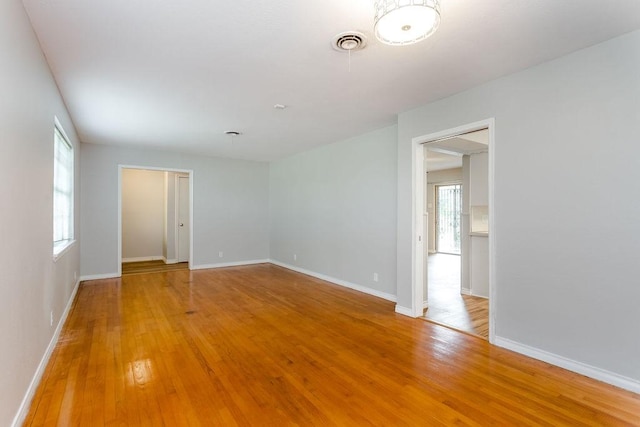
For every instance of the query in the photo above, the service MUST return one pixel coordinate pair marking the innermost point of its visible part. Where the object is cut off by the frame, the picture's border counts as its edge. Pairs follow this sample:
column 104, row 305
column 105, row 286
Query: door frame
column 188, row 172
column 418, row 259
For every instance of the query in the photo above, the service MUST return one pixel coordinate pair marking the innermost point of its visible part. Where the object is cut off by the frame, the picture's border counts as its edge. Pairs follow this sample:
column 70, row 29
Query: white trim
column 176, row 215
column 154, row 168
column 58, row 125
column 477, row 296
column 418, row 267
column 344, row 283
column 120, row 167
column 191, row 223
column 62, row 248
column 405, row 311
column 228, row 264
column 571, row 365
column 449, row 182
column 170, row 261
column 465, row 291
column 493, row 286
column 425, row 305
column 144, row 258
column 419, row 235
column 100, row 276
column 189, row 172
column 37, row 376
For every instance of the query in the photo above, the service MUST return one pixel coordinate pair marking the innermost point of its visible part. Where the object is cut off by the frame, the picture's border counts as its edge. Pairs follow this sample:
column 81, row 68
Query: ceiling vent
column 349, row 41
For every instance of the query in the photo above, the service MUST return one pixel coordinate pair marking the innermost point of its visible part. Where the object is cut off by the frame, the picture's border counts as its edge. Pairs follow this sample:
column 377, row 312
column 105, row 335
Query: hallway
column 446, row 305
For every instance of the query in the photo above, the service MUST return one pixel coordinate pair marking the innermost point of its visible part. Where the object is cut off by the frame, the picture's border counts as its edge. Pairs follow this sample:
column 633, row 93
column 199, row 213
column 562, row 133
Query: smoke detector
column 349, row 41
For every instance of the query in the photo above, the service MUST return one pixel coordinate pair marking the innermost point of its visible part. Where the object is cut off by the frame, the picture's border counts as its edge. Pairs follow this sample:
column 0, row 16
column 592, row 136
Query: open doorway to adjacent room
column 155, row 230
column 457, row 251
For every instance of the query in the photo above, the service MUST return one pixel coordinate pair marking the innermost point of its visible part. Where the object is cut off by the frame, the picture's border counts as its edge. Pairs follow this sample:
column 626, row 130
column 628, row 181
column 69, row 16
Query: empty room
column 249, row 213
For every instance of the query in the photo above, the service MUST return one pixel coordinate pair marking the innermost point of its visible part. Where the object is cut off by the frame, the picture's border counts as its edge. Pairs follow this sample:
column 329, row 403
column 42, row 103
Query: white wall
column 32, row 286
column 230, row 206
column 479, row 179
column 566, row 215
column 334, row 207
column 479, row 244
column 143, row 214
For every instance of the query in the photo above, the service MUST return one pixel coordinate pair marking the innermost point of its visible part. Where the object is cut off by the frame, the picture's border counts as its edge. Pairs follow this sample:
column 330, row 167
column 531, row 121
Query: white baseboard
column 359, row 288
column 35, row 381
column 571, row 365
column 229, row 264
column 99, row 276
column 144, row 258
column 479, row 296
column 405, row 311
column 170, row 261
column 465, row 291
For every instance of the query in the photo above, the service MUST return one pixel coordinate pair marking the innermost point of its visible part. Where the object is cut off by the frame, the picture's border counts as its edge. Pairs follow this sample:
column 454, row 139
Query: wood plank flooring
column 264, row 346
column 157, row 266
column 465, row 313
column 447, row 306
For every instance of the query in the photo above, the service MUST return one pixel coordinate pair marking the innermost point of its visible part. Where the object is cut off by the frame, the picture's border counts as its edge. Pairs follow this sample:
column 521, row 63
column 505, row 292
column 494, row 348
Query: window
column 448, row 205
column 62, row 191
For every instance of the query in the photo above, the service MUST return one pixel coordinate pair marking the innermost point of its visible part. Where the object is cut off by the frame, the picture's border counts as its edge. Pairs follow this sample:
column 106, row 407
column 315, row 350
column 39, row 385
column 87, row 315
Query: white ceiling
column 177, row 74
column 447, row 153
column 435, row 161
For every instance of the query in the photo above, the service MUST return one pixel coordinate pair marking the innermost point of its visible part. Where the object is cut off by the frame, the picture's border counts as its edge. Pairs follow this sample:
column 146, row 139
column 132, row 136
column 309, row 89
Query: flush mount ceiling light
column 403, row 22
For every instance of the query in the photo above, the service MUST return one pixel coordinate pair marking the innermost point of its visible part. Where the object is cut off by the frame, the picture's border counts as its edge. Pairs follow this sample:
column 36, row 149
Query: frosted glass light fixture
column 403, row 22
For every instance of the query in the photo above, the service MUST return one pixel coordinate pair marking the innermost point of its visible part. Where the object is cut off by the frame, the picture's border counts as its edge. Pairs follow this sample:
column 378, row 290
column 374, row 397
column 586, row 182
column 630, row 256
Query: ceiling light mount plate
column 405, row 22
column 349, row 41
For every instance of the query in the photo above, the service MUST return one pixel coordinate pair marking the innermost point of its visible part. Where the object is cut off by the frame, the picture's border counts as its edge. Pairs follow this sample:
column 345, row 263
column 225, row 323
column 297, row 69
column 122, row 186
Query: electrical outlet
column 375, row 277
column 295, row 257
column 220, row 254
column 51, row 319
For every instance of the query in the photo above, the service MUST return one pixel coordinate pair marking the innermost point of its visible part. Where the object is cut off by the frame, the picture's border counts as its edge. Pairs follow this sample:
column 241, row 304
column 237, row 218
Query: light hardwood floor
column 157, row 266
column 264, row 346
column 446, row 305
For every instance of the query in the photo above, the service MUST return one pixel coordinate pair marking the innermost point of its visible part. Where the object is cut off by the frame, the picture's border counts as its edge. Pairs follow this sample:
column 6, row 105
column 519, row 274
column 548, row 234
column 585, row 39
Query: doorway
column 460, row 273
column 155, row 211
column 448, row 213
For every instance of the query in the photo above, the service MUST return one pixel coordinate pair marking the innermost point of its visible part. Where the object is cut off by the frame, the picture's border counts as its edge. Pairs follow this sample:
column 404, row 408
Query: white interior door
column 184, row 225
